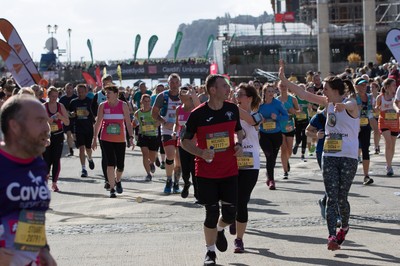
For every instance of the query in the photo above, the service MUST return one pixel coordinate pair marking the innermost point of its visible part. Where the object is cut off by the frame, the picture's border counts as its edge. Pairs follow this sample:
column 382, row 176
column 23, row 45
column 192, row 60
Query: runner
column 215, row 123
column 301, row 122
column 66, row 100
column 83, row 120
column 388, row 120
column 24, row 122
column 248, row 101
column 189, row 102
column 147, row 140
column 98, row 98
column 164, row 111
column 273, row 112
column 364, row 102
column 112, row 116
column 58, row 116
column 159, row 88
column 287, row 126
column 340, row 148
column 375, row 90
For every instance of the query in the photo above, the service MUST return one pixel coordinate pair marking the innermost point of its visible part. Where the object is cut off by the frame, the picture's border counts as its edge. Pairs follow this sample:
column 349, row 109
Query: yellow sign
column 245, row 161
column 30, row 235
column 269, row 125
column 220, row 141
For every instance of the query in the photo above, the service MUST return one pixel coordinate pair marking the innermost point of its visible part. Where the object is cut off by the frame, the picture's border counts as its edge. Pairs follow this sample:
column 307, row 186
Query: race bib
column 219, row 140
column 390, row 116
column 364, row 121
column 289, row 128
column 269, row 124
column 81, row 112
column 301, row 116
column 148, row 128
column 171, row 118
column 53, row 127
column 30, row 235
column 246, row 160
column 333, row 144
column 113, row 129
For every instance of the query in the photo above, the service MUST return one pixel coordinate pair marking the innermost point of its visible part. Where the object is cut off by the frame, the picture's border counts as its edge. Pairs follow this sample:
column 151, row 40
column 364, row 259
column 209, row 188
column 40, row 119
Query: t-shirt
column 84, row 120
column 215, row 128
column 24, row 198
column 65, row 100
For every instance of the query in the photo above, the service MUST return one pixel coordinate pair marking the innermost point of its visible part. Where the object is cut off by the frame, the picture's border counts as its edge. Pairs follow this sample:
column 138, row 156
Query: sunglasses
column 237, row 95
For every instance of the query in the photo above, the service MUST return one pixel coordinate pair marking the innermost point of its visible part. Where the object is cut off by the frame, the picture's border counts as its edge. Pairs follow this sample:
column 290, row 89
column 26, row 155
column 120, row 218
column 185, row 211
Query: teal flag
column 178, row 40
column 152, row 42
column 137, row 42
column 89, row 44
column 233, row 37
column 210, row 40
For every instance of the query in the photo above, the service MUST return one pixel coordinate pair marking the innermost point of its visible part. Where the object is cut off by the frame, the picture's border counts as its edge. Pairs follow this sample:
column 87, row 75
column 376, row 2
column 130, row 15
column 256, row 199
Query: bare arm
column 311, row 97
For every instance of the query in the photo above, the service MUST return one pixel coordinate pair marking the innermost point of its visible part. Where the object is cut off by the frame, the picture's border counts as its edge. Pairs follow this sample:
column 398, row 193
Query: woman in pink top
column 112, row 116
column 189, row 102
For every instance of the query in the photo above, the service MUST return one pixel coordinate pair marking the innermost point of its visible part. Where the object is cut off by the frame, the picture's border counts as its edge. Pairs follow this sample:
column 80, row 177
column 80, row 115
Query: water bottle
column 210, row 160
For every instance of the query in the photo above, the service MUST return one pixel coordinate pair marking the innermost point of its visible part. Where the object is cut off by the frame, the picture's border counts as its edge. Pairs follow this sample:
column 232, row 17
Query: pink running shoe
column 239, row 247
column 340, row 236
column 332, row 243
column 271, row 184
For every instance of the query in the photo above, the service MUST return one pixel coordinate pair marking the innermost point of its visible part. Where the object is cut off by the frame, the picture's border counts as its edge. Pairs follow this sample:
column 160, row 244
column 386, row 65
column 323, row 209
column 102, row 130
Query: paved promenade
column 85, row 227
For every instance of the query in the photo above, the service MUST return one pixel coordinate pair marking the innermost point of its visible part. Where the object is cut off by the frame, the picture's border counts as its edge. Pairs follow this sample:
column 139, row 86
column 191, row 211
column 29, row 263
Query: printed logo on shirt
column 229, row 114
column 331, row 119
column 12, row 224
column 209, row 119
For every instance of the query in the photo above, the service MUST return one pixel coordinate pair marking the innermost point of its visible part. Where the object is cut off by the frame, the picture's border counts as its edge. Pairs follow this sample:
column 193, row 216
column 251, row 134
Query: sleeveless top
column 182, row 118
column 170, row 116
column 366, row 110
column 388, row 118
column 147, row 124
column 113, row 126
column 251, row 148
column 101, row 97
column 303, row 115
column 341, row 132
column 55, row 126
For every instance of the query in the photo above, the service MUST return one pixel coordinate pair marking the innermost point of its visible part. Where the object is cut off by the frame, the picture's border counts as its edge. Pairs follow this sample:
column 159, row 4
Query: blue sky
column 112, row 25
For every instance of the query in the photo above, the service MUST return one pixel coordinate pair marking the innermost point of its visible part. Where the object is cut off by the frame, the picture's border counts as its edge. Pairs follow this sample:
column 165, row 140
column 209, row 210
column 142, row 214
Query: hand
column 132, row 143
column 282, row 71
column 207, row 154
column 273, row 116
column 94, row 144
column 320, row 134
column 238, row 150
column 45, row 258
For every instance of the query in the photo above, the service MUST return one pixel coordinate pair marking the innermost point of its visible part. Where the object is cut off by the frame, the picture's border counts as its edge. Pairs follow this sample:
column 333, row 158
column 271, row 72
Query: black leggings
column 187, row 166
column 52, row 155
column 115, row 154
column 270, row 144
column 246, row 182
column 364, row 138
column 301, row 135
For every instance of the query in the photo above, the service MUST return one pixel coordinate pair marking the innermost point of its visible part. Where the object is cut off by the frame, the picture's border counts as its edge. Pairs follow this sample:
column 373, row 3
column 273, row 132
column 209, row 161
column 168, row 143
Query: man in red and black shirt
column 215, row 124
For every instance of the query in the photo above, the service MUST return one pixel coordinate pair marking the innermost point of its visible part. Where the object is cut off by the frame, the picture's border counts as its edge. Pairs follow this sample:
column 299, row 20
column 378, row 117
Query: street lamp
column 52, row 30
column 69, row 45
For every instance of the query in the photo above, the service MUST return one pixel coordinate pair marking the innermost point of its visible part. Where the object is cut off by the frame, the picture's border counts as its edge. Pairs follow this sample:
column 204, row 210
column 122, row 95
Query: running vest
column 366, row 110
column 55, row 126
column 388, row 118
column 287, row 125
column 341, row 132
column 146, row 124
column 251, row 148
column 168, row 111
column 113, row 126
column 303, row 115
column 182, row 118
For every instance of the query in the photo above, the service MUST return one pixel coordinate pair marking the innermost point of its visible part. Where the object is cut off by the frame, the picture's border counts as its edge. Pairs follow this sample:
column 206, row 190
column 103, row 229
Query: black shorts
column 84, row 139
column 67, row 128
column 289, row 134
column 148, row 141
column 212, row 190
column 392, row 133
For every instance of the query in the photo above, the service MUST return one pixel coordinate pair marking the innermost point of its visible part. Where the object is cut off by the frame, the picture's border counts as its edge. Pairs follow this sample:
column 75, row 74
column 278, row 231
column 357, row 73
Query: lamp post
column 52, row 30
column 69, row 45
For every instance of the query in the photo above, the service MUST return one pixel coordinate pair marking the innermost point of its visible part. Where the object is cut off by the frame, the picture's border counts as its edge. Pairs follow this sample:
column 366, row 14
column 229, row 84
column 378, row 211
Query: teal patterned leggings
column 338, row 174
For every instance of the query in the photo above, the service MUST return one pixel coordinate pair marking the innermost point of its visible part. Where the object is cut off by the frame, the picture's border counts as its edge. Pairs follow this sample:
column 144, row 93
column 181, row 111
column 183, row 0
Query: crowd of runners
column 211, row 136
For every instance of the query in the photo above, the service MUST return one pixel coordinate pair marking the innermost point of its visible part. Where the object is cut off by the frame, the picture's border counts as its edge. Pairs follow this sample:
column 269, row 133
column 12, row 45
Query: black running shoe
column 119, row 187
column 158, row 163
column 221, row 243
column 112, row 193
column 210, row 258
column 185, row 191
column 84, row 173
column 91, row 164
column 107, row 186
column 152, row 168
column 367, row 181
